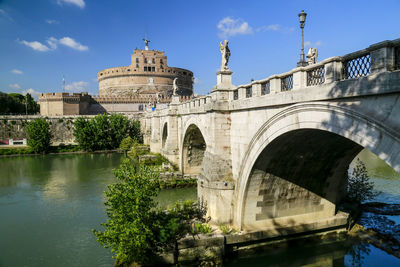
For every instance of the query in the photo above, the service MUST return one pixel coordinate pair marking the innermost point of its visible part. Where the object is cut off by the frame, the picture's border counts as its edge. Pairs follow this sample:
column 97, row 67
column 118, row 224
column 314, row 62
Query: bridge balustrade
column 249, row 91
column 316, row 76
column 236, row 94
column 265, row 88
column 358, row 66
column 287, row 83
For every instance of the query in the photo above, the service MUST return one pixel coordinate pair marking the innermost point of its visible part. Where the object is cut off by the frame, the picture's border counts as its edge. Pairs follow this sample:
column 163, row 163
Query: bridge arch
column 193, row 148
column 286, row 153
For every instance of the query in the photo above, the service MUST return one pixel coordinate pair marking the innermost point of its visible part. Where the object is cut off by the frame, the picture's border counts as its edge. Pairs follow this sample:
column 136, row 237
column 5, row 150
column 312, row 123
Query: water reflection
column 48, row 206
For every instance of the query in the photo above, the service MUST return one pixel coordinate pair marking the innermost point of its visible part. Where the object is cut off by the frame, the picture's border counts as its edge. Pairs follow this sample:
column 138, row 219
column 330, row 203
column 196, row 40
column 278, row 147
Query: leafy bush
column 126, row 144
column 201, row 228
column 16, row 151
column 359, row 187
column 105, row 131
column 226, row 229
column 39, row 135
column 136, row 228
column 130, row 209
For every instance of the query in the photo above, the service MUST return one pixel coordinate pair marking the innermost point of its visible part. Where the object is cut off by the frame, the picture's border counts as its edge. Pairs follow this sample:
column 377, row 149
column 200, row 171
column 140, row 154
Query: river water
column 49, row 205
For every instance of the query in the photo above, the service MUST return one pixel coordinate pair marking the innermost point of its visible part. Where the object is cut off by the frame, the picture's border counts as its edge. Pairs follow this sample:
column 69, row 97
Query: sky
column 42, row 40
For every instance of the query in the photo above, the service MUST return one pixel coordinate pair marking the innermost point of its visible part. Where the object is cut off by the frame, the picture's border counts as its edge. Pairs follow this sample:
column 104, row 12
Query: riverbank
column 68, row 149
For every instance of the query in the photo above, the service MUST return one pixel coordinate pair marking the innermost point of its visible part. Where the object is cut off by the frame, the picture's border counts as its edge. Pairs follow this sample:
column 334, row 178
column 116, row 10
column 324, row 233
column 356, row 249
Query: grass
column 28, row 150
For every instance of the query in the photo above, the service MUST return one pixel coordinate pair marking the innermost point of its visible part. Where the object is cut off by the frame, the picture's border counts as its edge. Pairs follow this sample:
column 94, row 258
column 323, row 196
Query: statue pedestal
column 224, row 80
column 175, row 99
column 224, row 85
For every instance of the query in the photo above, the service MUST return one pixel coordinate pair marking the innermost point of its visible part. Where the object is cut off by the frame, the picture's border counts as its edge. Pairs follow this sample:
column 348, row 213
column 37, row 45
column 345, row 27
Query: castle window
column 153, row 68
column 161, row 67
column 161, row 61
column 169, row 71
column 129, row 69
column 184, row 73
column 145, row 60
column 137, row 65
column 137, row 60
column 154, row 61
column 145, row 69
column 141, row 107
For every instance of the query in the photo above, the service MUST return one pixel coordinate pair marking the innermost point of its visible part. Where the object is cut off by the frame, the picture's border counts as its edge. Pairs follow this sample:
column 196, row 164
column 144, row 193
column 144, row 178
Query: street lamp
column 302, row 18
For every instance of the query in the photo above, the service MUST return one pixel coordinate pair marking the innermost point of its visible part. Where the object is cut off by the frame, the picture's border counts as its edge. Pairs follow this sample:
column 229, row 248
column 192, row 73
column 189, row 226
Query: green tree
column 126, row 144
column 359, row 187
column 39, row 135
column 15, row 103
column 31, row 105
column 131, row 212
column 104, row 131
column 85, row 134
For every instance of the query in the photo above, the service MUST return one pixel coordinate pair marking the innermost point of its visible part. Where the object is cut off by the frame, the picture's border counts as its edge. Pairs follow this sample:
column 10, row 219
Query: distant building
column 148, row 71
column 146, row 82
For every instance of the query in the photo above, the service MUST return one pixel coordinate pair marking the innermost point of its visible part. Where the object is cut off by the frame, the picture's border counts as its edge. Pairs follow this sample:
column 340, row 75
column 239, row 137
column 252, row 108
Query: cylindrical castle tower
column 148, row 73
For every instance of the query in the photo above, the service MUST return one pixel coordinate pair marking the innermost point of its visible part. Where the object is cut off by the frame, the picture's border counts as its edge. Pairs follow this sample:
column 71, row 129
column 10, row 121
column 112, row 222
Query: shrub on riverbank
column 359, row 187
column 39, row 135
column 136, row 229
column 105, row 131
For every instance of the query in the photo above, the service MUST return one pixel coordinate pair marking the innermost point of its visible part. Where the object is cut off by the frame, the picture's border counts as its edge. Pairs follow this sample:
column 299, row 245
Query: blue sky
column 43, row 39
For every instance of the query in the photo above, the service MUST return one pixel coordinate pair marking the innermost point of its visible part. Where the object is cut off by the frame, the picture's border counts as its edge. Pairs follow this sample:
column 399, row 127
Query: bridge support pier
column 170, row 149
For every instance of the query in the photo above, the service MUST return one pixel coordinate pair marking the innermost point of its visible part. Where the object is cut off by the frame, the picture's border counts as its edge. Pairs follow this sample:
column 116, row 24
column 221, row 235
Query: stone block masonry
column 14, row 127
column 277, row 149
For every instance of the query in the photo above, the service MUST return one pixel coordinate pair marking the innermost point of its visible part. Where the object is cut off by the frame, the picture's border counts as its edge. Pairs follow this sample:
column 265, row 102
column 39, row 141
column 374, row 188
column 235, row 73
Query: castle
column 147, row 82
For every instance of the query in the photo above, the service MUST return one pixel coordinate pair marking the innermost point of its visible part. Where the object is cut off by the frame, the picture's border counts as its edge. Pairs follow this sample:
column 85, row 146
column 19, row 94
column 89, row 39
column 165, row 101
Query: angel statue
column 226, row 53
column 312, row 56
column 174, row 86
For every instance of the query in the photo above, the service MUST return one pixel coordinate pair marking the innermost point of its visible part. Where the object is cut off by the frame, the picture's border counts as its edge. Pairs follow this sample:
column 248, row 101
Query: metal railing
column 357, row 67
column 236, row 95
column 316, row 76
column 265, row 88
column 287, row 83
column 249, row 91
column 397, row 57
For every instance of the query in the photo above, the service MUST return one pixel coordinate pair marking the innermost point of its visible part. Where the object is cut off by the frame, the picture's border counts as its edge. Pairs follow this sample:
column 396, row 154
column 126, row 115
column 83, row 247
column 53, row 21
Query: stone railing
column 384, row 56
column 377, row 58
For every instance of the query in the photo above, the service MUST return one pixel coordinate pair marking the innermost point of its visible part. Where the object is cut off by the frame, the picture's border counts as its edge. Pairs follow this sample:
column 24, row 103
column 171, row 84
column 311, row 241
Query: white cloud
column 272, row 27
column 311, row 44
column 275, row 28
column 79, row 3
column 3, row 13
column 15, row 71
column 77, row 86
column 67, row 41
column 52, row 21
column 14, row 86
column 35, row 45
column 196, row 80
column 52, row 44
column 230, row 27
column 32, row 92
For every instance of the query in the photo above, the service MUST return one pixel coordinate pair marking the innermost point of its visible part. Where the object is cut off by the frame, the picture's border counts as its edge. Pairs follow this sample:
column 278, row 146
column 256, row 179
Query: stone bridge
column 274, row 153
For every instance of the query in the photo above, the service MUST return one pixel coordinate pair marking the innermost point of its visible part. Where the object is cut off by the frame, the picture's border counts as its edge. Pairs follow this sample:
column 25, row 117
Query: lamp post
column 302, row 18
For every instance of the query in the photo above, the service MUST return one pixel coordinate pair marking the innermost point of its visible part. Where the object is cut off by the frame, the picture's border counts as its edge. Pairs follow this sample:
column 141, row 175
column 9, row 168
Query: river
column 49, row 205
